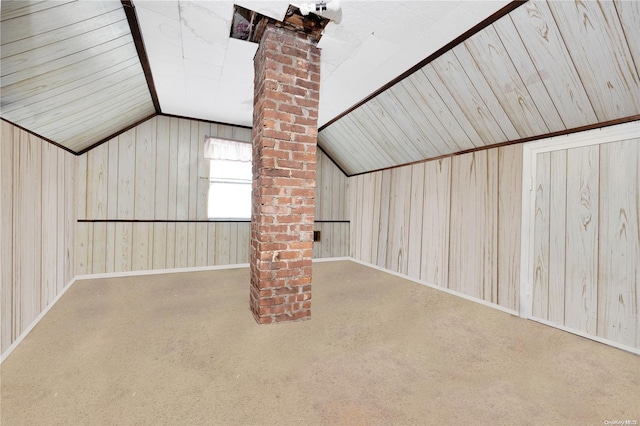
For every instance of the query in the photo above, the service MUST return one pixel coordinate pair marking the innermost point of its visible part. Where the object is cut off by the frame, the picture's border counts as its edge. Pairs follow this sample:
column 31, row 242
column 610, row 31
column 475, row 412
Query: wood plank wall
column 453, row 222
column 586, row 273
column 37, row 225
column 331, row 214
column 149, row 187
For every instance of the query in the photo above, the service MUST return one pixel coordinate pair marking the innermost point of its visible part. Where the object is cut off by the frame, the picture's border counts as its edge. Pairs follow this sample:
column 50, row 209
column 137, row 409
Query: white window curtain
column 223, row 149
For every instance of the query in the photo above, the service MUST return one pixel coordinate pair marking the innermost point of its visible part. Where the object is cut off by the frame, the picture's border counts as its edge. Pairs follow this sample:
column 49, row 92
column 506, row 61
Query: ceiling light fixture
column 330, row 9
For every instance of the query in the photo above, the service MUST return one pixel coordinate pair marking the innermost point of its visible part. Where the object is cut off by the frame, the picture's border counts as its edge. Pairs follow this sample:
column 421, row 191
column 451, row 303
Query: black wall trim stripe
column 184, row 221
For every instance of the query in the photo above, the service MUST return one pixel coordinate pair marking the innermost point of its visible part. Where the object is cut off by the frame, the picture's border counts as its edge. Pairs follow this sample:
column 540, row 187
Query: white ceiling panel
column 375, row 42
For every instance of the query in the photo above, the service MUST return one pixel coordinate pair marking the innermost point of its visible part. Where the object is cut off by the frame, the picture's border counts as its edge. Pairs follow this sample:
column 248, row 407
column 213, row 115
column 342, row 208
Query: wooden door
column 585, row 273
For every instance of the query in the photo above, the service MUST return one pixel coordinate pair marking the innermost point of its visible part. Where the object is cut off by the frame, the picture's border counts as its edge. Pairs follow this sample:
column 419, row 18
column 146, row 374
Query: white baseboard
column 507, row 310
column 437, row 287
column 24, row 334
column 160, row 271
column 588, row 336
column 35, row 322
column 331, row 259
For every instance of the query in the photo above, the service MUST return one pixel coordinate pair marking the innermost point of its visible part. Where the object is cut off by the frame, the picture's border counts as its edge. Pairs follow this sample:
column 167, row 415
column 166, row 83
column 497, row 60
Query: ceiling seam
column 136, row 34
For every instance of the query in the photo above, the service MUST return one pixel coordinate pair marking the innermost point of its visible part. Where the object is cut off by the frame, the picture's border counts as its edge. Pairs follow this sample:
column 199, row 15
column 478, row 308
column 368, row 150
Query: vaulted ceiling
column 401, row 81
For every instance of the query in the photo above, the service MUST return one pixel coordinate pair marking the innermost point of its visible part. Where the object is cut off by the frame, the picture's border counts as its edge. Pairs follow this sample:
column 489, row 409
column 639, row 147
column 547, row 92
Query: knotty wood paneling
column 37, row 227
column 547, row 66
column 474, row 225
column 399, row 213
column 448, row 225
column 541, row 239
column 505, row 80
column 434, row 257
column 581, row 271
column 156, row 172
column 557, row 232
column 414, row 246
column 332, row 190
column 619, row 243
column 590, row 240
column 509, row 220
column 609, row 77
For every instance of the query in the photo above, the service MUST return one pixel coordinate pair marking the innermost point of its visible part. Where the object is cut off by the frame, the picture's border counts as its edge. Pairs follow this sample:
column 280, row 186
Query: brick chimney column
column 285, row 115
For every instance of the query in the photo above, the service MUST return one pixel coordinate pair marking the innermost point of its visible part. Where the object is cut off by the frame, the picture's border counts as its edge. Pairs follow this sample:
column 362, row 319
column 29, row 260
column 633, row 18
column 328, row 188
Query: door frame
column 530, row 151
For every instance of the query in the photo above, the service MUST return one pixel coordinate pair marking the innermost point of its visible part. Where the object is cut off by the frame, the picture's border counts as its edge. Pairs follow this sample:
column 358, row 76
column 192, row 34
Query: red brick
column 303, row 192
column 302, row 174
column 287, row 164
column 290, row 254
column 307, row 84
column 295, row 110
column 275, row 134
column 274, row 172
column 294, row 90
column 297, row 119
column 288, row 182
column 293, row 128
column 304, row 138
column 300, row 281
column 271, row 301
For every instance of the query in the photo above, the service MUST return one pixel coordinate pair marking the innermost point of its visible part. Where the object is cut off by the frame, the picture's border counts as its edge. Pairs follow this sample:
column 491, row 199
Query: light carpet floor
column 183, row 349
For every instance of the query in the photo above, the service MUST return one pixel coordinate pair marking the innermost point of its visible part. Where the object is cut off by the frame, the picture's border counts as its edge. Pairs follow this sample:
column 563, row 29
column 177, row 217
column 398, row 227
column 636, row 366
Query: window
column 229, row 179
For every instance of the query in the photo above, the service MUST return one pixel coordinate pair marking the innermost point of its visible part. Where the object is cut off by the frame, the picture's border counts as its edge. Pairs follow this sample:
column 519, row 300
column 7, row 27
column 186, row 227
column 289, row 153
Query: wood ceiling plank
column 54, row 18
column 629, row 15
column 124, row 46
column 494, row 62
column 101, row 122
column 63, row 101
column 51, row 52
column 404, row 128
column 528, row 73
column 48, row 97
column 342, row 153
column 494, row 107
column 353, row 148
column 67, row 76
column 14, row 9
column 372, row 116
column 73, row 30
column 544, row 44
column 369, row 152
column 81, row 110
column 461, row 132
column 417, row 125
column 598, row 47
column 365, row 155
column 462, row 89
column 417, row 107
column 125, row 118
